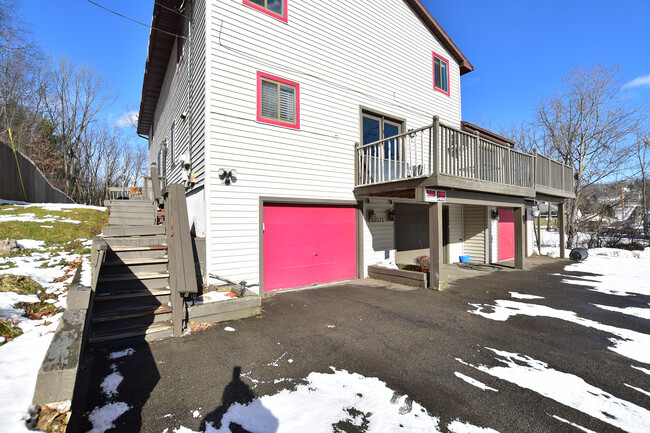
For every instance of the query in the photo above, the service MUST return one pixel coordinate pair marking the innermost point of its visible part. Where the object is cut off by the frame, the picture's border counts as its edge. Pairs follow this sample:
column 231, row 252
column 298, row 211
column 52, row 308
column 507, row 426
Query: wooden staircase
column 132, row 297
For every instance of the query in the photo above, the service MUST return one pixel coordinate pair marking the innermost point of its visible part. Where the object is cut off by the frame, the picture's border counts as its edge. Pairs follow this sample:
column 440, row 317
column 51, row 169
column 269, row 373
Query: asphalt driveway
column 417, row 341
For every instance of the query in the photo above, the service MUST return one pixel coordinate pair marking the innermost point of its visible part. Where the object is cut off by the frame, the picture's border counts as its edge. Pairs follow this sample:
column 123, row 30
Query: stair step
column 131, row 221
column 136, row 248
column 131, row 276
column 129, row 312
column 127, row 231
column 154, row 331
column 127, row 294
column 134, row 262
column 143, row 241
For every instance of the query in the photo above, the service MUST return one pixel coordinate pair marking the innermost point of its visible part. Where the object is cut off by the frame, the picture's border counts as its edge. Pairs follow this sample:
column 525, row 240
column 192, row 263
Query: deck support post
column 435, row 245
column 520, row 238
column 560, row 227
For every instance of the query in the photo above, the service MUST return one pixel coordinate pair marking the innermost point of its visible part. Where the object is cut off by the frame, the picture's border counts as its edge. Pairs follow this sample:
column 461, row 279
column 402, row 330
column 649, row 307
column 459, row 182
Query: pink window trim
column 284, row 18
column 261, row 75
column 434, row 74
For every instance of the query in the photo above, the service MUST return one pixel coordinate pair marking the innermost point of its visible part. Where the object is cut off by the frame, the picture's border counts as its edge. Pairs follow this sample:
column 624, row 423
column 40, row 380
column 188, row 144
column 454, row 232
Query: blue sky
column 520, row 49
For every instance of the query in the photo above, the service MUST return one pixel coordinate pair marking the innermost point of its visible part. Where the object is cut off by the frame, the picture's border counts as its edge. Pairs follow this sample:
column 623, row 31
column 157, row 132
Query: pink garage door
column 506, row 234
column 306, row 244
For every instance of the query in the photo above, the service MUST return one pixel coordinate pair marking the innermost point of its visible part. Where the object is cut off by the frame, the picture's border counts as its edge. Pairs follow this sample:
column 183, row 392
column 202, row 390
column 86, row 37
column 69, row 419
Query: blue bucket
column 464, row 259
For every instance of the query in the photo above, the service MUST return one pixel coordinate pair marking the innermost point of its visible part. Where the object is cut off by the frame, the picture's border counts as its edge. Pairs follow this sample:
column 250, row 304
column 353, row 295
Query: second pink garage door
column 306, row 244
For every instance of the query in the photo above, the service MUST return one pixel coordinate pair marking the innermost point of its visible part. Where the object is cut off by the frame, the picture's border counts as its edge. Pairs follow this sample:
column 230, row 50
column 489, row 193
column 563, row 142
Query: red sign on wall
column 435, row 195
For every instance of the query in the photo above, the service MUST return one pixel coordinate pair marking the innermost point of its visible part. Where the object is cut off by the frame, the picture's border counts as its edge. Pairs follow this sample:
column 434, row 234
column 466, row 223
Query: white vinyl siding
column 345, row 55
column 455, row 232
column 474, row 226
column 174, row 100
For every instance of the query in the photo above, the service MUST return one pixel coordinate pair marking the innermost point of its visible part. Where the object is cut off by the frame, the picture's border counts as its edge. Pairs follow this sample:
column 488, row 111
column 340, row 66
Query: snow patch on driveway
column 475, row 382
column 569, row 390
column 630, row 344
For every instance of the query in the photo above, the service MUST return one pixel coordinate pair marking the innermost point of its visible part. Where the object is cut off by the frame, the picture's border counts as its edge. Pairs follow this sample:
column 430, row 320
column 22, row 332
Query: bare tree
column 77, row 95
column 642, row 159
column 23, row 78
column 588, row 125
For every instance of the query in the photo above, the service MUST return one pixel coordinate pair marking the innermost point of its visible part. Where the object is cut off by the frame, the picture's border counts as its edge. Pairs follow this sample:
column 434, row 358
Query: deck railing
column 440, row 149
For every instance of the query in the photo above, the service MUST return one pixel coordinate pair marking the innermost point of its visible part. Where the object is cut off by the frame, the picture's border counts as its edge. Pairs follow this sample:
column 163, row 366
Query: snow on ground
column 474, row 382
column 103, row 417
column 620, row 272
column 631, row 344
column 524, row 296
column 31, row 217
column 61, row 206
column 327, row 399
column 214, row 296
column 569, row 390
column 463, row 427
column 20, row 361
column 21, row 358
column 30, row 244
column 579, row 427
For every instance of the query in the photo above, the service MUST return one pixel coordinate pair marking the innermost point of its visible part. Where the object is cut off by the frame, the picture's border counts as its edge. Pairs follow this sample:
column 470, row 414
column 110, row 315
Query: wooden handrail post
column 477, row 173
column 155, row 184
column 533, row 179
column 435, row 137
column 357, row 157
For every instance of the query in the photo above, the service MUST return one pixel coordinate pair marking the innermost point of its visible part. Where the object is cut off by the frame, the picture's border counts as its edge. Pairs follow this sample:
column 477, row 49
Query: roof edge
column 443, row 37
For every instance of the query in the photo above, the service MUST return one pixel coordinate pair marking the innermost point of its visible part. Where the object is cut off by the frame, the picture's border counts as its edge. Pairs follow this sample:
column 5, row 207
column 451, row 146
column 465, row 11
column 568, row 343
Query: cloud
column 127, row 118
column 642, row 81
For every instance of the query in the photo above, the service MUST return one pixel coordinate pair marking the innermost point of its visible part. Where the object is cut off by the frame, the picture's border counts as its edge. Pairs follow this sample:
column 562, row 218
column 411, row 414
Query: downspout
column 190, row 14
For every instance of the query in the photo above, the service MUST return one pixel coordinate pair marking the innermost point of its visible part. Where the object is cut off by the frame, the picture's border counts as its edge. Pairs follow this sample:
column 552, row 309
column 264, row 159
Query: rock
column 54, row 417
column 9, row 246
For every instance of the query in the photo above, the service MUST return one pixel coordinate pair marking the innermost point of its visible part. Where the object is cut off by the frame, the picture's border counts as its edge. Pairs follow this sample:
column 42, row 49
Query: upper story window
column 440, row 74
column 278, row 101
column 377, row 127
column 275, row 8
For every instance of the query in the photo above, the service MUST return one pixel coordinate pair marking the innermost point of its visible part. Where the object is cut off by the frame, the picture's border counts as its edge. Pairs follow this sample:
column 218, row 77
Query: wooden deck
column 442, row 156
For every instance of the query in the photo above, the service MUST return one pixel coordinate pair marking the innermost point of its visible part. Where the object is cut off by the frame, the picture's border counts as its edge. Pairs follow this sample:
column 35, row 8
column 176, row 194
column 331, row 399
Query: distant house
column 318, row 138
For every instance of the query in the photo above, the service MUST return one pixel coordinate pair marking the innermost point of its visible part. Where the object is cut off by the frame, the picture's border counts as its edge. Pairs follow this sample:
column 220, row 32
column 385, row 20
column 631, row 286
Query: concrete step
column 131, row 276
column 127, row 294
column 129, row 231
column 130, row 335
column 128, row 311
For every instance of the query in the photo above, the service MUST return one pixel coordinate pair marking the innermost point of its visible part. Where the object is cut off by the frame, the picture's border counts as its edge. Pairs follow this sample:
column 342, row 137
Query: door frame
column 306, row 201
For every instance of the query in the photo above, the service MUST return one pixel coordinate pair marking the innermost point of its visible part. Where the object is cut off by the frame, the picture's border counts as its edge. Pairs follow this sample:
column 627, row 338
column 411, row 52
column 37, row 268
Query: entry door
column 307, row 244
column 506, row 234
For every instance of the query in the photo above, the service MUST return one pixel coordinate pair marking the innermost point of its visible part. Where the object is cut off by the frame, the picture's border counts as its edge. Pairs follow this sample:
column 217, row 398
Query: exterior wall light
column 495, row 215
column 228, row 177
column 535, row 211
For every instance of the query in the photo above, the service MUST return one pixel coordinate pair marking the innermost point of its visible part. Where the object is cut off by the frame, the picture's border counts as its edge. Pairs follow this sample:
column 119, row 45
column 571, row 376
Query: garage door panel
column 506, row 234
column 307, row 244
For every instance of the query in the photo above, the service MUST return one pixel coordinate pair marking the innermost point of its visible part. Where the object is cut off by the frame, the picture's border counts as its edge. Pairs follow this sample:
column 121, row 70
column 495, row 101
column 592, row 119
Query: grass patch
column 8, row 331
column 92, row 222
column 20, row 284
column 61, row 262
column 36, row 310
column 7, row 265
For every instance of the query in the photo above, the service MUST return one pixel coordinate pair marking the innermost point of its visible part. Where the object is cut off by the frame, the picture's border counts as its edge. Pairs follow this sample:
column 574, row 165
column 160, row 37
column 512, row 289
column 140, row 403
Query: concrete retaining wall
column 56, row 378
column 37, row 188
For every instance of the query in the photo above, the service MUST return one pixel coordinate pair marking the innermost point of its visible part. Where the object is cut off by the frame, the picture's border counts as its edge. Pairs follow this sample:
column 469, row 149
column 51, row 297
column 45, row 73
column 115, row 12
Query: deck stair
column 132, row 297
